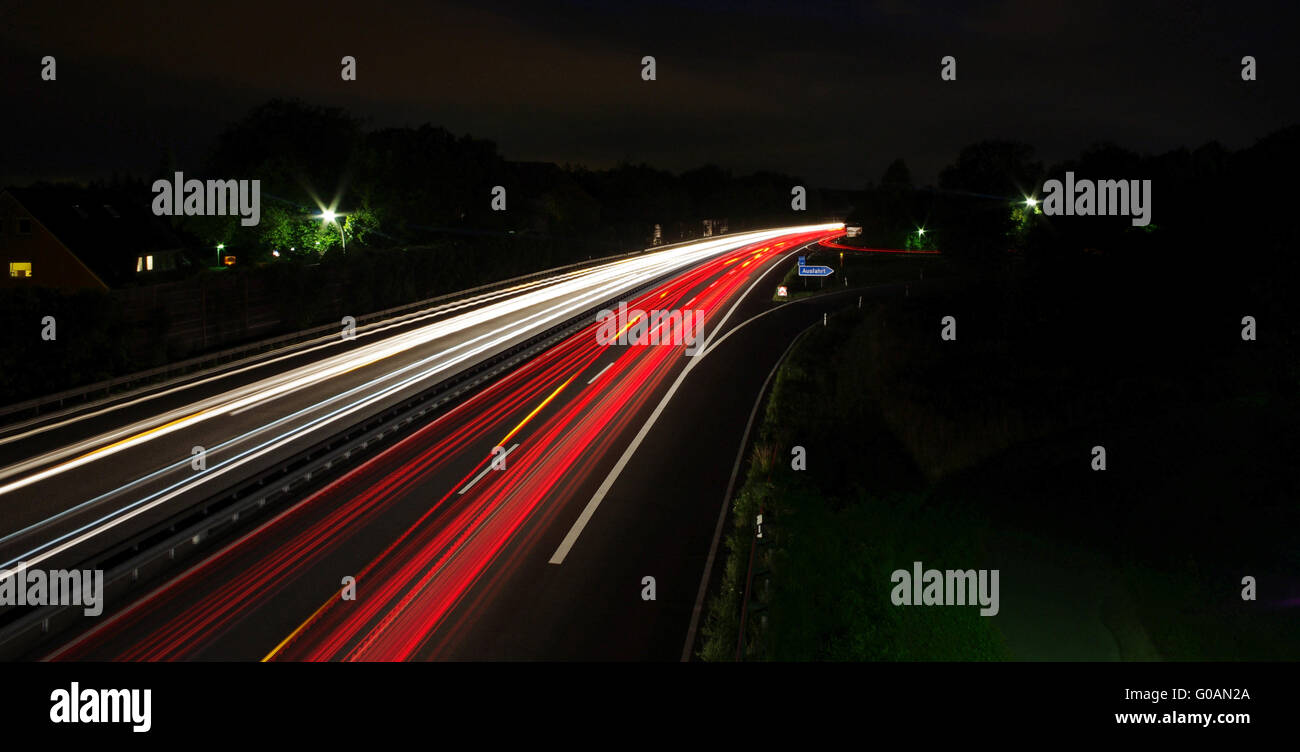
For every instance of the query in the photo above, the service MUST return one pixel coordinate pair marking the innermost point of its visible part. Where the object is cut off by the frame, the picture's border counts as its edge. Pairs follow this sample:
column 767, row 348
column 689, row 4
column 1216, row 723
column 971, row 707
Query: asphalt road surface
column 80, row 482
column 611, row 466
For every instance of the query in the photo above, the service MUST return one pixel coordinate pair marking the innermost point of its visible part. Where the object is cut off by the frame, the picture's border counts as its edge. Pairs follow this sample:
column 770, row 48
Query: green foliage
column 836, row 531
column 284, row 229
column 360, row 224
column 918, row 241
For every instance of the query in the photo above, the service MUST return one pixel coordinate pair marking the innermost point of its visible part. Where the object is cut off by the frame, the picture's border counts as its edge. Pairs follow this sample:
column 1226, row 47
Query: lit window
column 20, row 268
column 148, row 262
column 139, row 263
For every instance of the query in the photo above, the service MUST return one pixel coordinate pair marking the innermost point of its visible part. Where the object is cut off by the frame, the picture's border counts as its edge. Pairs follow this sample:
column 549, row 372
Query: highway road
column 79, row 482
column 616, row 460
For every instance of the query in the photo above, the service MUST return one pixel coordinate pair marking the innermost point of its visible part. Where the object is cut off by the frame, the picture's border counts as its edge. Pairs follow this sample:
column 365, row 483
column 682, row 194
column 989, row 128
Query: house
column 73, row 238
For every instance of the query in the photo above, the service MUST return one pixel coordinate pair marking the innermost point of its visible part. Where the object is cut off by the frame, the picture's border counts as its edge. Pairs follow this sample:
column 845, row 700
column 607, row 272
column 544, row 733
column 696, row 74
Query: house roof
column 106, row 228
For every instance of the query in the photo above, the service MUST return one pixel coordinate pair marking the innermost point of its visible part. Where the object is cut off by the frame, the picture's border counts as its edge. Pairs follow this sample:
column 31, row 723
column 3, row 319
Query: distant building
column 714, row 227
column 73, row 238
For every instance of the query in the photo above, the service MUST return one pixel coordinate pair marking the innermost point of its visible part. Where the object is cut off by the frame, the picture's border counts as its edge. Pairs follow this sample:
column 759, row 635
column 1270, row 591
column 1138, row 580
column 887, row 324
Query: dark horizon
column 732, row 81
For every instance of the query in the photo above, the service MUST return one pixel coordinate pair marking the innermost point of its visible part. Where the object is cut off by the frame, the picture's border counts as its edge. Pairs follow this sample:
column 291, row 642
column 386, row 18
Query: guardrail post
column 749, row 580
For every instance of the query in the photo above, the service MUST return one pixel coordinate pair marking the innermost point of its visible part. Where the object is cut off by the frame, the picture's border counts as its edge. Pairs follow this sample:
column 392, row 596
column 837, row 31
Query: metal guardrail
column 244, row 353
column 148, row 555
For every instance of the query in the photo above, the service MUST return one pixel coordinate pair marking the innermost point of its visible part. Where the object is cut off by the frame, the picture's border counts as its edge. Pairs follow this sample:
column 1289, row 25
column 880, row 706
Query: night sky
column 829, row 91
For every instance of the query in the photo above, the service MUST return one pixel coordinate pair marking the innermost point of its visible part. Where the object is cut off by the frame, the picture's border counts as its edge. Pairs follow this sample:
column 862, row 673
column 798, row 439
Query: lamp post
column 220, row 247
column 329, row 217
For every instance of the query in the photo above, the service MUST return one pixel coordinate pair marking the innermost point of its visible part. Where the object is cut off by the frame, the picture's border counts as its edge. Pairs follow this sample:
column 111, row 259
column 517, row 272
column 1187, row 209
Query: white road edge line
column 726, row 498
column 572, row 536
column 484, row 472
column 606, row 368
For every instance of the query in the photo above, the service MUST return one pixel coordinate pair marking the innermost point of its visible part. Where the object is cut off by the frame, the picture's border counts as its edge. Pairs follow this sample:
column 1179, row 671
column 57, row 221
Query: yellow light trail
column 535, row 411
column 301, row 627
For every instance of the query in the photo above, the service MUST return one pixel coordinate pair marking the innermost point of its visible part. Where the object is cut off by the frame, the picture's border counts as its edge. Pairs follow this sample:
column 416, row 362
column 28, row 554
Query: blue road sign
column 801, row 260
column 815, row 271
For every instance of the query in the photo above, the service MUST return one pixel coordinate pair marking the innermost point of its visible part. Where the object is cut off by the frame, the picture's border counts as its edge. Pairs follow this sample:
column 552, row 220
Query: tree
column 979, row 194
column 897, row 177
column 301, row 156
column 894, row 202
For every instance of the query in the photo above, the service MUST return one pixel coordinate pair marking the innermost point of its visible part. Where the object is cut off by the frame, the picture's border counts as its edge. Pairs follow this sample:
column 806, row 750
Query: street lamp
column 329, row 216
column 220, row 247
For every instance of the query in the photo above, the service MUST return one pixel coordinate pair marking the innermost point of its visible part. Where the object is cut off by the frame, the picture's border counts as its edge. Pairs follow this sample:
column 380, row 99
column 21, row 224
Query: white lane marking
column 731, row 487
column 484, row 472
column 606, row 368
column 572, row 536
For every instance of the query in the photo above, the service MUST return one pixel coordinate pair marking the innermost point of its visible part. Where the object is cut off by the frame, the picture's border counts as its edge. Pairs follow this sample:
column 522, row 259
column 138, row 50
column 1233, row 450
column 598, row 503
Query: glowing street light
column 329, row 216
column 220, row 247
